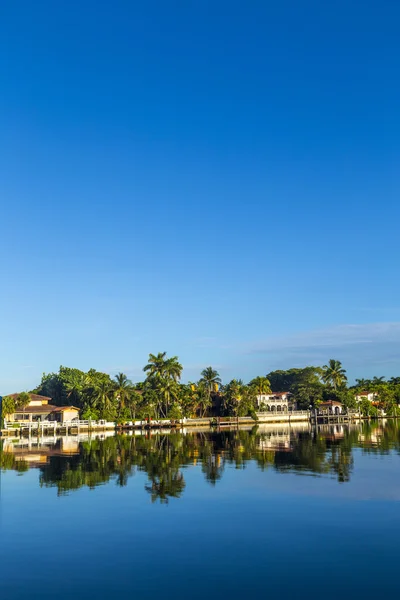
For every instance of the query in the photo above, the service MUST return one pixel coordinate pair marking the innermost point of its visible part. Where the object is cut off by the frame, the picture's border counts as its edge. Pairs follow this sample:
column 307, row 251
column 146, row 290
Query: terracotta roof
column 33, row 397
column 64, row 408
column 330, row 403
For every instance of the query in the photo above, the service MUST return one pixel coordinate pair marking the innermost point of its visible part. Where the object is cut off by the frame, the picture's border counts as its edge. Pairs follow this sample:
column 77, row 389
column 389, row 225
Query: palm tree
column 168, row 388
column 377, row 382
column 334, row 373
column 160, row 366
column 261, row 385
column 363, row 384
column 235, row 393
column 103, row 395
column 173, row 368
column 209, row 382
column 75, row 385
column 210, row 377
column 156, row 365
column 203, row 396
column 122, row 390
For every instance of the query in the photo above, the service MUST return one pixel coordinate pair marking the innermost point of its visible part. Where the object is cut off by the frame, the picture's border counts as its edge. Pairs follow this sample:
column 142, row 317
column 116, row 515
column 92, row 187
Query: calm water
column 266, row 512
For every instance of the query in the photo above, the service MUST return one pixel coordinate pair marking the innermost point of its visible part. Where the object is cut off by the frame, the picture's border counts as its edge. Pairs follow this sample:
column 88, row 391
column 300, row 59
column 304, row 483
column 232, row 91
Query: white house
column 39, row 409
column 371, row 396
column 274, row 402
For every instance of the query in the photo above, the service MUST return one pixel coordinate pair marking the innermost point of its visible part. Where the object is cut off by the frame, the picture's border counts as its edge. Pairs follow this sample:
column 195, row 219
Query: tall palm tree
column 334, row 373
column 234, row 395
column 159, row 366
column 203, row 397
column 363, row 384
column 211, row 380
column 168, row 389
column 261, row 385
column 173, row 368
column 156, row 365
column 122, row 390
column 103, row 396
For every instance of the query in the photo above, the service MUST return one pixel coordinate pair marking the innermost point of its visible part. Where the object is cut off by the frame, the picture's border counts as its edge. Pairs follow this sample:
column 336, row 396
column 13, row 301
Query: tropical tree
column 22, row 400
column 122, row 390
column 173, row 368
column 239, row 399
column 156, row 365
column 334, row 374
column 261, row 385
column 211, row 379
column 203, row 395
column 168, row 389
column 103, row 398
column 209, row 383
column 159, row 366
column 7, row 407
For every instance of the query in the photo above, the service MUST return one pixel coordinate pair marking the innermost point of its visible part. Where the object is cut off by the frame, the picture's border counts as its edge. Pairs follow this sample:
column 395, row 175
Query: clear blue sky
column 215, row 179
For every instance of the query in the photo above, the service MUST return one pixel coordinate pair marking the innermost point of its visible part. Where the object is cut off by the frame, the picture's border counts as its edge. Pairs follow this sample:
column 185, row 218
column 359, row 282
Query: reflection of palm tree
column 169, row 485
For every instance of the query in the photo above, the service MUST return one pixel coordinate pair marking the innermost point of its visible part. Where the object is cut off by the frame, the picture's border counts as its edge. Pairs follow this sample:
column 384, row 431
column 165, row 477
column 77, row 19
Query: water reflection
column 73, row 462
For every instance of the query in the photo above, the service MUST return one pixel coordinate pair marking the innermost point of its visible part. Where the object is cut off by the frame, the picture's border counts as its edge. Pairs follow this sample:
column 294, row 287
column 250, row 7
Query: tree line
column 162, row 394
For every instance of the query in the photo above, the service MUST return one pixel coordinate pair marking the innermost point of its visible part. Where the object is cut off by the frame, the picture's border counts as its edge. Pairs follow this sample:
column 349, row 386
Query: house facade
column 331, row 407
column 40, row 409
column 275, row 402
column 370, row 396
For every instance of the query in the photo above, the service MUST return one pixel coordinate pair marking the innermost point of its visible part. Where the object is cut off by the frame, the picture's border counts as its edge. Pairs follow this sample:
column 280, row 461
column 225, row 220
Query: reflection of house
column 39, row 409
column 274, row 402
column 276, row 440
column 37, row 452
column 331, row 432
column 331, row 407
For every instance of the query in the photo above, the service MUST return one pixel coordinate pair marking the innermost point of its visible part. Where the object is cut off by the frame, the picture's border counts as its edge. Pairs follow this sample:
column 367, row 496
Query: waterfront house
column 330, row 407
column 370, row 396
column 40, row 409
column 275, row 402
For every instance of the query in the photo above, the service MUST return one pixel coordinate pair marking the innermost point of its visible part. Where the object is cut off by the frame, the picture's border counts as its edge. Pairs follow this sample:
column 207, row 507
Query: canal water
column 269, row 512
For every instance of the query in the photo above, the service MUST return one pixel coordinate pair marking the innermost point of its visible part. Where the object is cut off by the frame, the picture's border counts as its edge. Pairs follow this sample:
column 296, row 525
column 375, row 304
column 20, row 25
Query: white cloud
column 334, row 337
column 365, row 350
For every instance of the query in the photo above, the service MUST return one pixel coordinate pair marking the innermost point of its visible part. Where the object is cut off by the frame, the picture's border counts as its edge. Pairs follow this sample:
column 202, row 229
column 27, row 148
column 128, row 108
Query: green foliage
column 261, row 385
column 7, row 406
column 305, row 385
column 334, row 374
column 162, row 394
column 90, row 414
column 22, row 400
column 239, row 399
column 175, row 412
